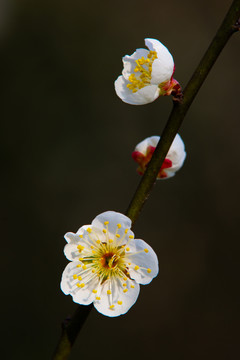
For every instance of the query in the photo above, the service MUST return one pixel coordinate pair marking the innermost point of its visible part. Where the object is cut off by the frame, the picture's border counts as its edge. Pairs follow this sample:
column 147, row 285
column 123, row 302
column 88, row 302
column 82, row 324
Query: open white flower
column 173, row 162
column 147, row 74
column 107, row 264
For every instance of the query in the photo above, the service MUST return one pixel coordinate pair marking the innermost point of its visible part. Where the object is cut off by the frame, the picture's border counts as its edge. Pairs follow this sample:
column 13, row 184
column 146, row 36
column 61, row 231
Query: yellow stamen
column 89, row 230
column 106, row 222
column 127, row 249
column 79, row 278
column 131, row 237
column 124, row 284
column 132, row 286
column 136, row 267
column 117, row 235
column 75, row 276
column 143, row 72
column 125, row 290
column 119, row 302
column 98, row 241
column 149, row 270
column 109, row 292
column 146, row 250
column 104, row 231
column 98, row 298
column 84, row 267
column 119, row 226
column 94, row 291
column 111, row 306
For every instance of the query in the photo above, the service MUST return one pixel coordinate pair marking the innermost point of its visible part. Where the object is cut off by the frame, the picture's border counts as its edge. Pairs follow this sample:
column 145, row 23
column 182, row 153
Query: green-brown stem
column 230, row 25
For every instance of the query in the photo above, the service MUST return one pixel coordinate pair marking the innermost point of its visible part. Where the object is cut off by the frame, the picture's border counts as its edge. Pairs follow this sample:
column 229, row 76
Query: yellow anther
column 79, row 278
column 93, row 271
column 126, row 230
column 75, row 276
column 111, row 306
column 98, row 241
column 98, row 298
column 117, row 235
column 78, row 285
column 89, row 230
column 94, row 291
column 93, row 251
column 127, row 249
column 106, row 222
column 79, row 265
column 146, row 250
column 119, row 302
column 125, row 290
column 82, row 285
column 80, row 248
column 132, row 286
column 136, row 267
column 92, row 247
column 125, row 278
column 81, row 236
column 80, row 259
column 110, row 240
column 131, row 237
column 129, row 263
column 109, row 292
column 119, row 226
column 124, row 284
column 149, row 270
column 84, row 267
column 104, row 231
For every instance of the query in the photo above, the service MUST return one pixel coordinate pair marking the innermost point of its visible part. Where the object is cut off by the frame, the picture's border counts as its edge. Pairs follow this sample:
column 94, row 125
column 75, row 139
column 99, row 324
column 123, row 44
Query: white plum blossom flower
column 107, row 264
column 173, row 162
column 147, row 74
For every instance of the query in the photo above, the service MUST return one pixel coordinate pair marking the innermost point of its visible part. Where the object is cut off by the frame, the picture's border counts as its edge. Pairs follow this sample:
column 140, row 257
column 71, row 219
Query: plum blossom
column 107, row 264
column 147, row 74
column 173, row 162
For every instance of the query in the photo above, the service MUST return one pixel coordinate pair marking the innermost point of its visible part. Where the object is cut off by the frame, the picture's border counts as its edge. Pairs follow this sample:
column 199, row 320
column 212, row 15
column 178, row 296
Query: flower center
column 109, row 260
column 143, row 72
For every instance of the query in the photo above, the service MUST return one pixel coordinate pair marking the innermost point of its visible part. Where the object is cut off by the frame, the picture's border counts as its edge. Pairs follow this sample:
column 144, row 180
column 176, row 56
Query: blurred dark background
column 66, row 143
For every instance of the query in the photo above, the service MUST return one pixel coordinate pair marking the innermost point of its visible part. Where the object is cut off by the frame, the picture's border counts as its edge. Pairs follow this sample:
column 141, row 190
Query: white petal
column 143, row 145
column 144, row 260
column 117, row 294
column 176, row 154
column 81, row 295
column 71, row 251
column 114, row 218
column 163, row 66
column 143, row 96
column 129, row 62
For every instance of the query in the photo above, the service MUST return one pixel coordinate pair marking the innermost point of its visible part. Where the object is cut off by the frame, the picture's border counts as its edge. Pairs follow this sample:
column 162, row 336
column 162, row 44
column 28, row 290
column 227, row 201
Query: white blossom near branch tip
column 107, row 264
column 147, row 74
column 173, row 162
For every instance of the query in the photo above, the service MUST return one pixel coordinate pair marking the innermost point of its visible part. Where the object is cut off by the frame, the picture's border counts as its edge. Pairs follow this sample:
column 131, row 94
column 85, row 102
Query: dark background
column 66, row 144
